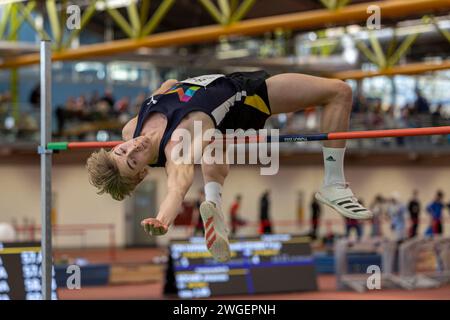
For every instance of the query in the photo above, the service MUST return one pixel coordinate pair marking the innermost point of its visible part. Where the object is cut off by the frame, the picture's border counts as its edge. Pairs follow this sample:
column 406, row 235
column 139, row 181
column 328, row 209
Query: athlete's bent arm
column 179, row 180
column 165, row 86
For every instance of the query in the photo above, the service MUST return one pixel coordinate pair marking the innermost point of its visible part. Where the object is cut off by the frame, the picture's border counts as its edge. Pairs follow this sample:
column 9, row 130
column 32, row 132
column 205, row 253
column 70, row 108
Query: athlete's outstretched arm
column 180, row 176
column 179, row 180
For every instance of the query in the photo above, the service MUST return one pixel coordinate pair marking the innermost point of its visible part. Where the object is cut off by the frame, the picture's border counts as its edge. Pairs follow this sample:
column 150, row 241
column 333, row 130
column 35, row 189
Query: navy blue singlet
column 223, row 98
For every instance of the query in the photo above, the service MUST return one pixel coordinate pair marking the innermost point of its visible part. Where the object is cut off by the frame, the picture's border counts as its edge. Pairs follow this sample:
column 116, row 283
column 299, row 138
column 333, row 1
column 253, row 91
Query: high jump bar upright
column 46, row 167
column 370, row 134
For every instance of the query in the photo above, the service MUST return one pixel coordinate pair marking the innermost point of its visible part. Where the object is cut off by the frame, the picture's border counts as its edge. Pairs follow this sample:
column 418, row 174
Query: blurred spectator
column 329, row 238
column 414, row 213
column 429, row 230
column 404, row 121
column 103, row 108
column 436, row 116
column 421, row 104
column 435, row 211
column 264, row 216
column 35, row 96
column 60, row 120
column 63, row 113
column 359, row 104
column 94, row 98
column 236, row 221
column 316, row 210
column 390, row 122
column 437, row 119
column 108, row 98
column 353, row 224
column 71, row 104
column 122, row 105
column 377, row 207
column 300, row 208
column 81, row 105
column 74, row 108
column 397, row 212
column 411, row 110
column 375, row 119
column 80, row 109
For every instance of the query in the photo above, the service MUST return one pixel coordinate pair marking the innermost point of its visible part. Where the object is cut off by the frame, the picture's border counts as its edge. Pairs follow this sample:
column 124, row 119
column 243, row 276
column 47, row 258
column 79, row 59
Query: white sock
column 333, row 159
column 213, row 193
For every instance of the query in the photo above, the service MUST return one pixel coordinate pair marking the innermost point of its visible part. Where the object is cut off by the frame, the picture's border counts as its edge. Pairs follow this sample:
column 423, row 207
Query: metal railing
column 31, row 232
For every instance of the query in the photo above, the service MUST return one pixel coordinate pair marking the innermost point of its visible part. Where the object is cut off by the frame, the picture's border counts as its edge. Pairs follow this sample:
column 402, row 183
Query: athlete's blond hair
column 105, row 176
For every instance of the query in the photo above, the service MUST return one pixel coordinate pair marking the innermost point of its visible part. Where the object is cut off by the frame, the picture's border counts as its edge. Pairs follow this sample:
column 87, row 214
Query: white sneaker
column 216, row 233
column 339, row 197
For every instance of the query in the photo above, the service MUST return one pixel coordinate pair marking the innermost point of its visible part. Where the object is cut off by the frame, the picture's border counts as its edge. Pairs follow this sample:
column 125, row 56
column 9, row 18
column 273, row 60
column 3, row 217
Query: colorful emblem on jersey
column 184, row 96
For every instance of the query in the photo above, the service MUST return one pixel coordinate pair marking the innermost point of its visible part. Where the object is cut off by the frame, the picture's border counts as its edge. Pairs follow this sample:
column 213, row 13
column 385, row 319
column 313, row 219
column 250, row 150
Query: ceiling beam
column 405, row 69
column 301, row 20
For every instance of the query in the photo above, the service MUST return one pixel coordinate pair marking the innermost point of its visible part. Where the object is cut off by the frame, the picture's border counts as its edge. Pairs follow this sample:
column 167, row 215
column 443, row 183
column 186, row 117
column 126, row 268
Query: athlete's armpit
column 165, row 86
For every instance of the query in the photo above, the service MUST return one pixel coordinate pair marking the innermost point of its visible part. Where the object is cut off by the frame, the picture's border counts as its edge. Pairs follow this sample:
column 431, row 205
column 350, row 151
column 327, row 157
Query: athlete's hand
column 154, row 227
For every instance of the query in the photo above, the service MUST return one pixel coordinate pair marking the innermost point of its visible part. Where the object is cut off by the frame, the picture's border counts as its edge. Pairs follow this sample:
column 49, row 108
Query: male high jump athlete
column 242, row 100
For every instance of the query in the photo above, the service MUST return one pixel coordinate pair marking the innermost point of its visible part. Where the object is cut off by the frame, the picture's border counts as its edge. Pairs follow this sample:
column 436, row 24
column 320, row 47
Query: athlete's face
column 133, row 156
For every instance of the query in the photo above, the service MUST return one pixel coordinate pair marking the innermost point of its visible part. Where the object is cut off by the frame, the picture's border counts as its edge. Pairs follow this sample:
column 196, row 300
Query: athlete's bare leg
column 292, row 92
column 215, row 173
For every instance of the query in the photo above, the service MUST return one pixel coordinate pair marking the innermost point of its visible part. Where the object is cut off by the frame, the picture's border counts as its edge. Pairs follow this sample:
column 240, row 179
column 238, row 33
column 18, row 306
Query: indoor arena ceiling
column 190, row 13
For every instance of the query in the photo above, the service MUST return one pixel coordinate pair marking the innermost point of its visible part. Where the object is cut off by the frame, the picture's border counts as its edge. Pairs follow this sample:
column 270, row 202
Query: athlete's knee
column 342, row 93
column 221, row 170
column 340, row 96
column 215, row 172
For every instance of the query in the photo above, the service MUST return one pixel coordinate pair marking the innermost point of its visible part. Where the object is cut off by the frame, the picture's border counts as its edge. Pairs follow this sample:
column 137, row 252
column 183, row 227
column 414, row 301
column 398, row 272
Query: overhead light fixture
column 113, row 4
column 3, row 2
column 312, row 36
column 349, row 53
column 233, row 54
column 353, row 29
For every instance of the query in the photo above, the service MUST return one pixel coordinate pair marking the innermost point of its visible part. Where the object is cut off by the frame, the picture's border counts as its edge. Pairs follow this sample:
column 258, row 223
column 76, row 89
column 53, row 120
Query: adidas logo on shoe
column 330, row 158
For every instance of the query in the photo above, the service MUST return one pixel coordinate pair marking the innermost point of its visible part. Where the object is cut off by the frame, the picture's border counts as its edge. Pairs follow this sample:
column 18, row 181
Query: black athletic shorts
column 252, row 108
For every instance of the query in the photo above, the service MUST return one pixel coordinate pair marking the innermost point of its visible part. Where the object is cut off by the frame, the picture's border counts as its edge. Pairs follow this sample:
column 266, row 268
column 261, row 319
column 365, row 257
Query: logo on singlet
column 184, row 96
